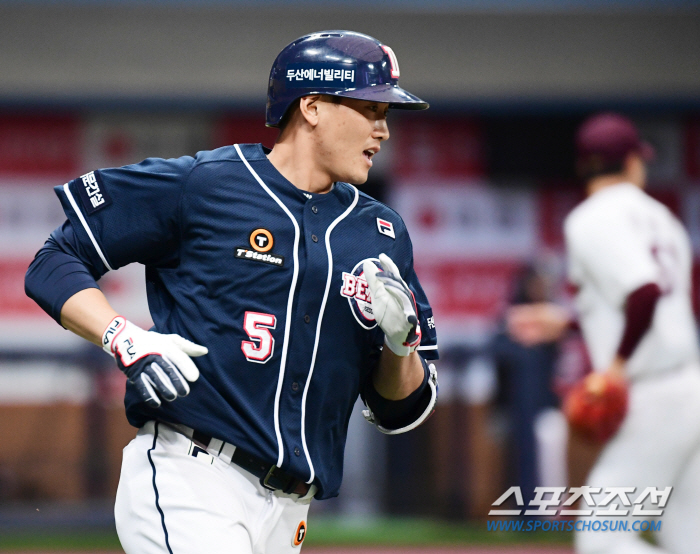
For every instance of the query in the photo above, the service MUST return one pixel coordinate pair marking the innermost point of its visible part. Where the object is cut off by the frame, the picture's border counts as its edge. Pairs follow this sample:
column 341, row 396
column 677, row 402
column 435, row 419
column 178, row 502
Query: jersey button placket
column 314, row 238
column 297, row 451
column 307, row 318
column 314, row 209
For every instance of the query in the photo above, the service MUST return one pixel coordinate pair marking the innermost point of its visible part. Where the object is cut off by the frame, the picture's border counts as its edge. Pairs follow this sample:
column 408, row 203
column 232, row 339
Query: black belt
column 271, row 477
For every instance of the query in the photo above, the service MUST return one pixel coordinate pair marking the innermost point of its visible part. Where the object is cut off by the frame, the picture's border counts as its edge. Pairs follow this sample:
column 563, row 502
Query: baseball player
column 279, row 293
column 631, row 261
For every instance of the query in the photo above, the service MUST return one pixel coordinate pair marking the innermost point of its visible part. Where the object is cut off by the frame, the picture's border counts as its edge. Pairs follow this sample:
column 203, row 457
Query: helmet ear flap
column 288, row 114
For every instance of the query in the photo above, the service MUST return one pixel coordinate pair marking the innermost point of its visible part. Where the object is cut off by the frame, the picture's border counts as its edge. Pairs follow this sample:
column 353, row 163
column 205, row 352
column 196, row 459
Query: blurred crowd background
column 483, row 181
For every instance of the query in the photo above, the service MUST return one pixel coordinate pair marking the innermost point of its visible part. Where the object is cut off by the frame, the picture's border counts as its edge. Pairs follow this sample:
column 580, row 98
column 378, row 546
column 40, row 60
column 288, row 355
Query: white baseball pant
column 170, row 501
column 658, row 445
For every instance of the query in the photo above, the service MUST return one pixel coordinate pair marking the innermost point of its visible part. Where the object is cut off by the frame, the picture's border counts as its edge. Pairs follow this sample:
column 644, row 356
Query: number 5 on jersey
column 260, row 347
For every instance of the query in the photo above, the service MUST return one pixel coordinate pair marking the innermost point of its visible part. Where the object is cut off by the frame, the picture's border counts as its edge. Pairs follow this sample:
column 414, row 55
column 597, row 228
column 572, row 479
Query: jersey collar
column 343, row 192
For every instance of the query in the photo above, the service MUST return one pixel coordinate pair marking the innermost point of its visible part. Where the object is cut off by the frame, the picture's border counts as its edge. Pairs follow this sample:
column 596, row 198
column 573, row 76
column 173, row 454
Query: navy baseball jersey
column 267, row 277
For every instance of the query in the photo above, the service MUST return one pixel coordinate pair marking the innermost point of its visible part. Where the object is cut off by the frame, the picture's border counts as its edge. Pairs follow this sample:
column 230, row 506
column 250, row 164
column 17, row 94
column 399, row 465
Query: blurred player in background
column 526, row 374
column 631, row 261
column 264, row 266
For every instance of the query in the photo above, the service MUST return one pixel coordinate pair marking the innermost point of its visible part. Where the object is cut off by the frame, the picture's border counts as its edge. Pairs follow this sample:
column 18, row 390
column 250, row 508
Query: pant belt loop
column 313, row 489
column 215, row 446
column 226, row 452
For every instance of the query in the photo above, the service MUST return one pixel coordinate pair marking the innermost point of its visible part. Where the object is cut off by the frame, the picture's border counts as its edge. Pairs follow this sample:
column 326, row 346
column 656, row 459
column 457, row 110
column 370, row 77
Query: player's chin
column 358, row 176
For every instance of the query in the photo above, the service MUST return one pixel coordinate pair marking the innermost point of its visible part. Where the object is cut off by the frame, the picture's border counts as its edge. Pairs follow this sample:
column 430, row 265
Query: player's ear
column 634, row 169
column 309, row 106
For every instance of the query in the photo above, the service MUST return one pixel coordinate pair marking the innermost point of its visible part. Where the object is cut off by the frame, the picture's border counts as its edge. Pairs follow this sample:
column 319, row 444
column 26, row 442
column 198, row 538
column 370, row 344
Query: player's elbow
column 35, row 280
column 399, row 416
column 54, row 276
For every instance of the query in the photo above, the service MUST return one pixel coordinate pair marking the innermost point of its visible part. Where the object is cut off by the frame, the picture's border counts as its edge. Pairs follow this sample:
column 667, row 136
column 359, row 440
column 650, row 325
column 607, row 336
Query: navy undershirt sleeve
column 59, row 270
column 396, row 414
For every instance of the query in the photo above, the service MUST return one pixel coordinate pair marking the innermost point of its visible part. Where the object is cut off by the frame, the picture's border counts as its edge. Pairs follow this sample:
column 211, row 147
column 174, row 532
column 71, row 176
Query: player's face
column 348, row 137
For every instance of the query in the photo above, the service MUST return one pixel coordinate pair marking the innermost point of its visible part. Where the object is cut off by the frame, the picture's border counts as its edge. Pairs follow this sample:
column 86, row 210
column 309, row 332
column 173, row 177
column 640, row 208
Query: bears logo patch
column 356, row 290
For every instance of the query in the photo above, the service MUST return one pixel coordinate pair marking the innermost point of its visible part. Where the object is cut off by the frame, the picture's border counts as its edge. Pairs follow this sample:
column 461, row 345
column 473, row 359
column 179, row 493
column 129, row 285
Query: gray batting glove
column 393, row 306
column 158, row 365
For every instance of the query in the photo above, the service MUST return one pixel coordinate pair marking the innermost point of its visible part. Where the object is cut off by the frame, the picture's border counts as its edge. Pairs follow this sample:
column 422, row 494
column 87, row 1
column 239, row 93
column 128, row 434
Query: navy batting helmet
column 338, row 63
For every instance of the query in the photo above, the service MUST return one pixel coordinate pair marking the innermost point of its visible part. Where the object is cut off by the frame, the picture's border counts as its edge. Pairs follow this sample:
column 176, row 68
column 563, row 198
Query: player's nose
column 381, row 129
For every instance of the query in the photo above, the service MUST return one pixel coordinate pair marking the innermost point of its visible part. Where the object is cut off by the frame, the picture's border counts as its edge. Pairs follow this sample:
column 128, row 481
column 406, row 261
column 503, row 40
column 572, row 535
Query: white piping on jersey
column 66, row 189
column 318, row 330
column 290, row 305
column 428, row 347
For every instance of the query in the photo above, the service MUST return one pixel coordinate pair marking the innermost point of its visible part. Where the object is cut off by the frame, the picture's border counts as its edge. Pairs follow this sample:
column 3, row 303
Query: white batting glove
column 158, row 365
column 393, row 306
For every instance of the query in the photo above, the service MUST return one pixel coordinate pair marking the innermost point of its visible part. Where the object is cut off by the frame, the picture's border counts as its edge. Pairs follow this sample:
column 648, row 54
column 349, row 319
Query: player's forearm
column 87, row 314
column 537, row 323
column 396, row 377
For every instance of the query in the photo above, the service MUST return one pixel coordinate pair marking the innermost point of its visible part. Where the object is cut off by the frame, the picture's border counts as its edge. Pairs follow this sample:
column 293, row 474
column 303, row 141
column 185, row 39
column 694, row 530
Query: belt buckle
column 287, row 483
column 265, row 480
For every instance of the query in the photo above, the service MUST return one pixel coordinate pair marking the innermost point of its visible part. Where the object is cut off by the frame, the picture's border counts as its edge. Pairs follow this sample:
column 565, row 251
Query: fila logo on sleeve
column 386, row 228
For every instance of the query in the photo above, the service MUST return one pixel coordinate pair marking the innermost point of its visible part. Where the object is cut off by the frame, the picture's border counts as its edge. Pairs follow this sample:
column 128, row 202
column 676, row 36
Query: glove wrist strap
column 115, row 327
column 410, row 344
column 398, row 349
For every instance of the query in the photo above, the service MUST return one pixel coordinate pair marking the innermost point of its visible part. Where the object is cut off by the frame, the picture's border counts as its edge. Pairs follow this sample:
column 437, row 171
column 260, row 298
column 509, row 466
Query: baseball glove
column 596, row 406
